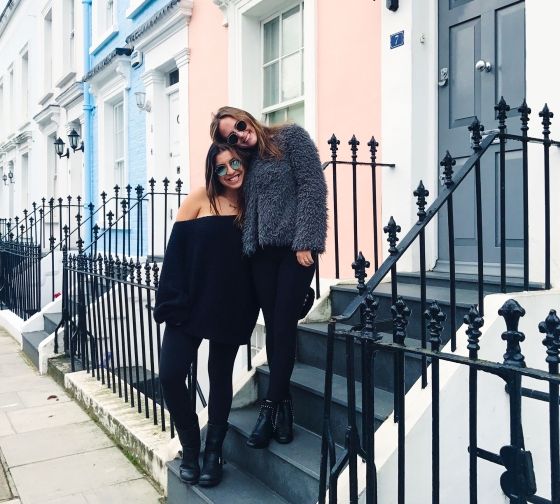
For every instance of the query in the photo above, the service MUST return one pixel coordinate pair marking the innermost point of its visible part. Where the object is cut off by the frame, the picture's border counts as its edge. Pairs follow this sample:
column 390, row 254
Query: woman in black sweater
column 205, row 291
column 284, row 229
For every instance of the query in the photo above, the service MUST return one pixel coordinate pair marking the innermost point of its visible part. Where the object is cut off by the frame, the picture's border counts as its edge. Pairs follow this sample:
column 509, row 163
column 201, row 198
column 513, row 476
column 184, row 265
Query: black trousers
column 178, row 352
column 281, row 284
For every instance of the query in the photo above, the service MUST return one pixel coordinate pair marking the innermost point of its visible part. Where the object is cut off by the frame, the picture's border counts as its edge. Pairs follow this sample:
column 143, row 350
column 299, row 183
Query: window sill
column 136, row 6
column 68, row 76
column 45, row 98
column 103, row 40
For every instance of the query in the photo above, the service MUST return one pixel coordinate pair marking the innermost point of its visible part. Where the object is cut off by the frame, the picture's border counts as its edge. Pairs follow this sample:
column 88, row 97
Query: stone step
column 51, row 321
column 296, row 462
column 307, row 387
column 468, row 281
column 342, row 295
column 312, row 350
column 30, row 344
column 237, row 487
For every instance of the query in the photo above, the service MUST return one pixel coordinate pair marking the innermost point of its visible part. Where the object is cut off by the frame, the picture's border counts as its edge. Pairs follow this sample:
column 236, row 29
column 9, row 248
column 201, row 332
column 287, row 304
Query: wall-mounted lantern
column 11, row 176
column 141, row 101
column 59, row 148
column 5, row 179
column 74, row 138
column 393, row 5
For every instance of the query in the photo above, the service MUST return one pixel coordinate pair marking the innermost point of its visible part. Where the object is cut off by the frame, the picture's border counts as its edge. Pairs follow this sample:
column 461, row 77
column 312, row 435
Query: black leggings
column 281, row 284
column 178, row 351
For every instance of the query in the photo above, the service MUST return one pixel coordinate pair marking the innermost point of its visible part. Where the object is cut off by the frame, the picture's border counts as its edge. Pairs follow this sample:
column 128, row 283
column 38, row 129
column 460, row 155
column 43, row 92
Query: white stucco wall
column 493, row 417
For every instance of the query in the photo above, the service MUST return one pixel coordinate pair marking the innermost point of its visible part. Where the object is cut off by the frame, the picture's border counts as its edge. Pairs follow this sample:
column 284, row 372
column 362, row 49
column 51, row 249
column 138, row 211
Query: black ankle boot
column 211, row 473
column 264, row 428
column 284, row 422
column 190, row 443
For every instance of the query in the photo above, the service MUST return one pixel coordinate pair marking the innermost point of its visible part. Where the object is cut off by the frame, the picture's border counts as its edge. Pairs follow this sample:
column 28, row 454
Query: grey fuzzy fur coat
column 286, row 199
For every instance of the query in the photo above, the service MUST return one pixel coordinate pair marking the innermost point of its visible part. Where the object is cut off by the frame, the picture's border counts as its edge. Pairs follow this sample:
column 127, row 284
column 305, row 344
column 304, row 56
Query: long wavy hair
column 266, row 147
column 213, row 186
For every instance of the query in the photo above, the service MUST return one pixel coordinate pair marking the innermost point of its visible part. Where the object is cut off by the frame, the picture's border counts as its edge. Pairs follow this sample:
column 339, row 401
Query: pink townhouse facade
column 294, row 61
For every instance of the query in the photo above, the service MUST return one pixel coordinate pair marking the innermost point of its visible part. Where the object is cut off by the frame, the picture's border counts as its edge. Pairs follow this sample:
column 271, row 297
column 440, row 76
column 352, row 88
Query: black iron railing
column 20, row 277
column 519, row 472
column 109, row 328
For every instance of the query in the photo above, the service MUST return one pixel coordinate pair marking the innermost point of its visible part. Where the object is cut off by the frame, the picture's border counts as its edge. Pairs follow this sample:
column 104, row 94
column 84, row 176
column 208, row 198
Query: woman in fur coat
column 284, row 229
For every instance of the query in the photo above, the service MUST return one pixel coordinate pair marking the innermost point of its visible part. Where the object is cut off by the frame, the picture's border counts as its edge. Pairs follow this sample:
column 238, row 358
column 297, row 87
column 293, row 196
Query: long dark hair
column 213, row 186
column 266, row 147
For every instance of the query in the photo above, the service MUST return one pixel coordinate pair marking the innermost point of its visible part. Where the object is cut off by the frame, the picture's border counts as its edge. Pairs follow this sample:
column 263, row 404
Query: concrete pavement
column 51, row 451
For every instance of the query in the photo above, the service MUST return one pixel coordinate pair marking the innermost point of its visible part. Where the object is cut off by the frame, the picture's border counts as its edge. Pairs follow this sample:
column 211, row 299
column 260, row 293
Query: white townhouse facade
column 40, row 100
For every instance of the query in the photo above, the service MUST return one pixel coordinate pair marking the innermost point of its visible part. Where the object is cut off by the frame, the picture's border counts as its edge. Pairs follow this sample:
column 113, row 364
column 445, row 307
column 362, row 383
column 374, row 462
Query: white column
column 154, row 84
column 182, row 60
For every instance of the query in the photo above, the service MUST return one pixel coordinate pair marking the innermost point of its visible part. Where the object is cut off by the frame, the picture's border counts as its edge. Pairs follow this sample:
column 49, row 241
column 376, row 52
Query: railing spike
column 550, row 327
column 421, row 193
column 476, row 129
column 512, row 311
column 435, row 317
column 401, row 313
column 474, row 322
column 392, row 228
column 447, row 173
column 359, row 266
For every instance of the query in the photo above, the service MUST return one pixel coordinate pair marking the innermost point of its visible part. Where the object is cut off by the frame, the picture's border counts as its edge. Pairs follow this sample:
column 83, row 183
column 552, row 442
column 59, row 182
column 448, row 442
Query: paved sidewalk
column 52, row 452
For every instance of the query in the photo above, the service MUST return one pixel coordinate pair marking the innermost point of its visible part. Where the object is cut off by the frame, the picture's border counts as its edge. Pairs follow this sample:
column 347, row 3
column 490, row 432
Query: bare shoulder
column 192, row 204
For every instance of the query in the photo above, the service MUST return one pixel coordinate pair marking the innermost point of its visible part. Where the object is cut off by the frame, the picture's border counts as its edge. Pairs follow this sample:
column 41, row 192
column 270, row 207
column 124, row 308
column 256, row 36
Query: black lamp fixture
column 5, row 179
column 393, row 5
column 74, row 138
column 11, row 176
column 59, row 148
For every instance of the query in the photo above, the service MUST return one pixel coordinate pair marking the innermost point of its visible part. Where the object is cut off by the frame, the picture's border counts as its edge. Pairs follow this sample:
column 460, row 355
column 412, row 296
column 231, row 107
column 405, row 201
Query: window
column 104, row 23
column 69, row 34
column 47, row 48
column 11, row 104
column 2, row 112
column 173, row 77
column 118, row 144
column 282, row 67
column 25, row 87
column 109, row 14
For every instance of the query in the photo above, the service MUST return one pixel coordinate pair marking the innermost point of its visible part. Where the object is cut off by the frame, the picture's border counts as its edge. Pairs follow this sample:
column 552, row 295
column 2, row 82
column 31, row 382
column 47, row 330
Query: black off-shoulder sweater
column 205, row 285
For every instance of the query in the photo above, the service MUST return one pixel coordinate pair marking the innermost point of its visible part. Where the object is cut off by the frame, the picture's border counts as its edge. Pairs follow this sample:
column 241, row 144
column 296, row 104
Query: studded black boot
column 211, row 473
column 189, row 471
column 264, row 428
column 284, row 422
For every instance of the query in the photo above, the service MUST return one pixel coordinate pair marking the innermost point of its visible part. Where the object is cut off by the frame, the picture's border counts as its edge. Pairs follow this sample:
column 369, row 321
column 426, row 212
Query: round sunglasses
column 239, row 127
column 221, row 169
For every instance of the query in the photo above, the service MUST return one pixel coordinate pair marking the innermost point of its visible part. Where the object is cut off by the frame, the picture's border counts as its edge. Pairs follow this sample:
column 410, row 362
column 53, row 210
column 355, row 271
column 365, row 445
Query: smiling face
column 233, row 178
column 246, row 139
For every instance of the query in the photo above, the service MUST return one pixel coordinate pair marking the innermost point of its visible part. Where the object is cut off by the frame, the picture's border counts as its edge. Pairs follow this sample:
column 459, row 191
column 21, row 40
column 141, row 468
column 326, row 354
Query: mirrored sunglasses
column 221, row 169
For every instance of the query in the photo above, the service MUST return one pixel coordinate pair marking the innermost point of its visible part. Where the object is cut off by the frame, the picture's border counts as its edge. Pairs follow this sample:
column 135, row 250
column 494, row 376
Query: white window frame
column 11, row 119
column 135, row 7
column 110, row 87
column 2, row 110
column 103, row 32
column 48, row 51
column 24, row 74
column 243, row 19
column 119, row 179
column 282, row 104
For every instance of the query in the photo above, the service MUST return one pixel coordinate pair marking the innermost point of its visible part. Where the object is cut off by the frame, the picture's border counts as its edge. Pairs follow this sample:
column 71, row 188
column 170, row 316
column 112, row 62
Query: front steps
column 32, row 339
column 291, row 472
